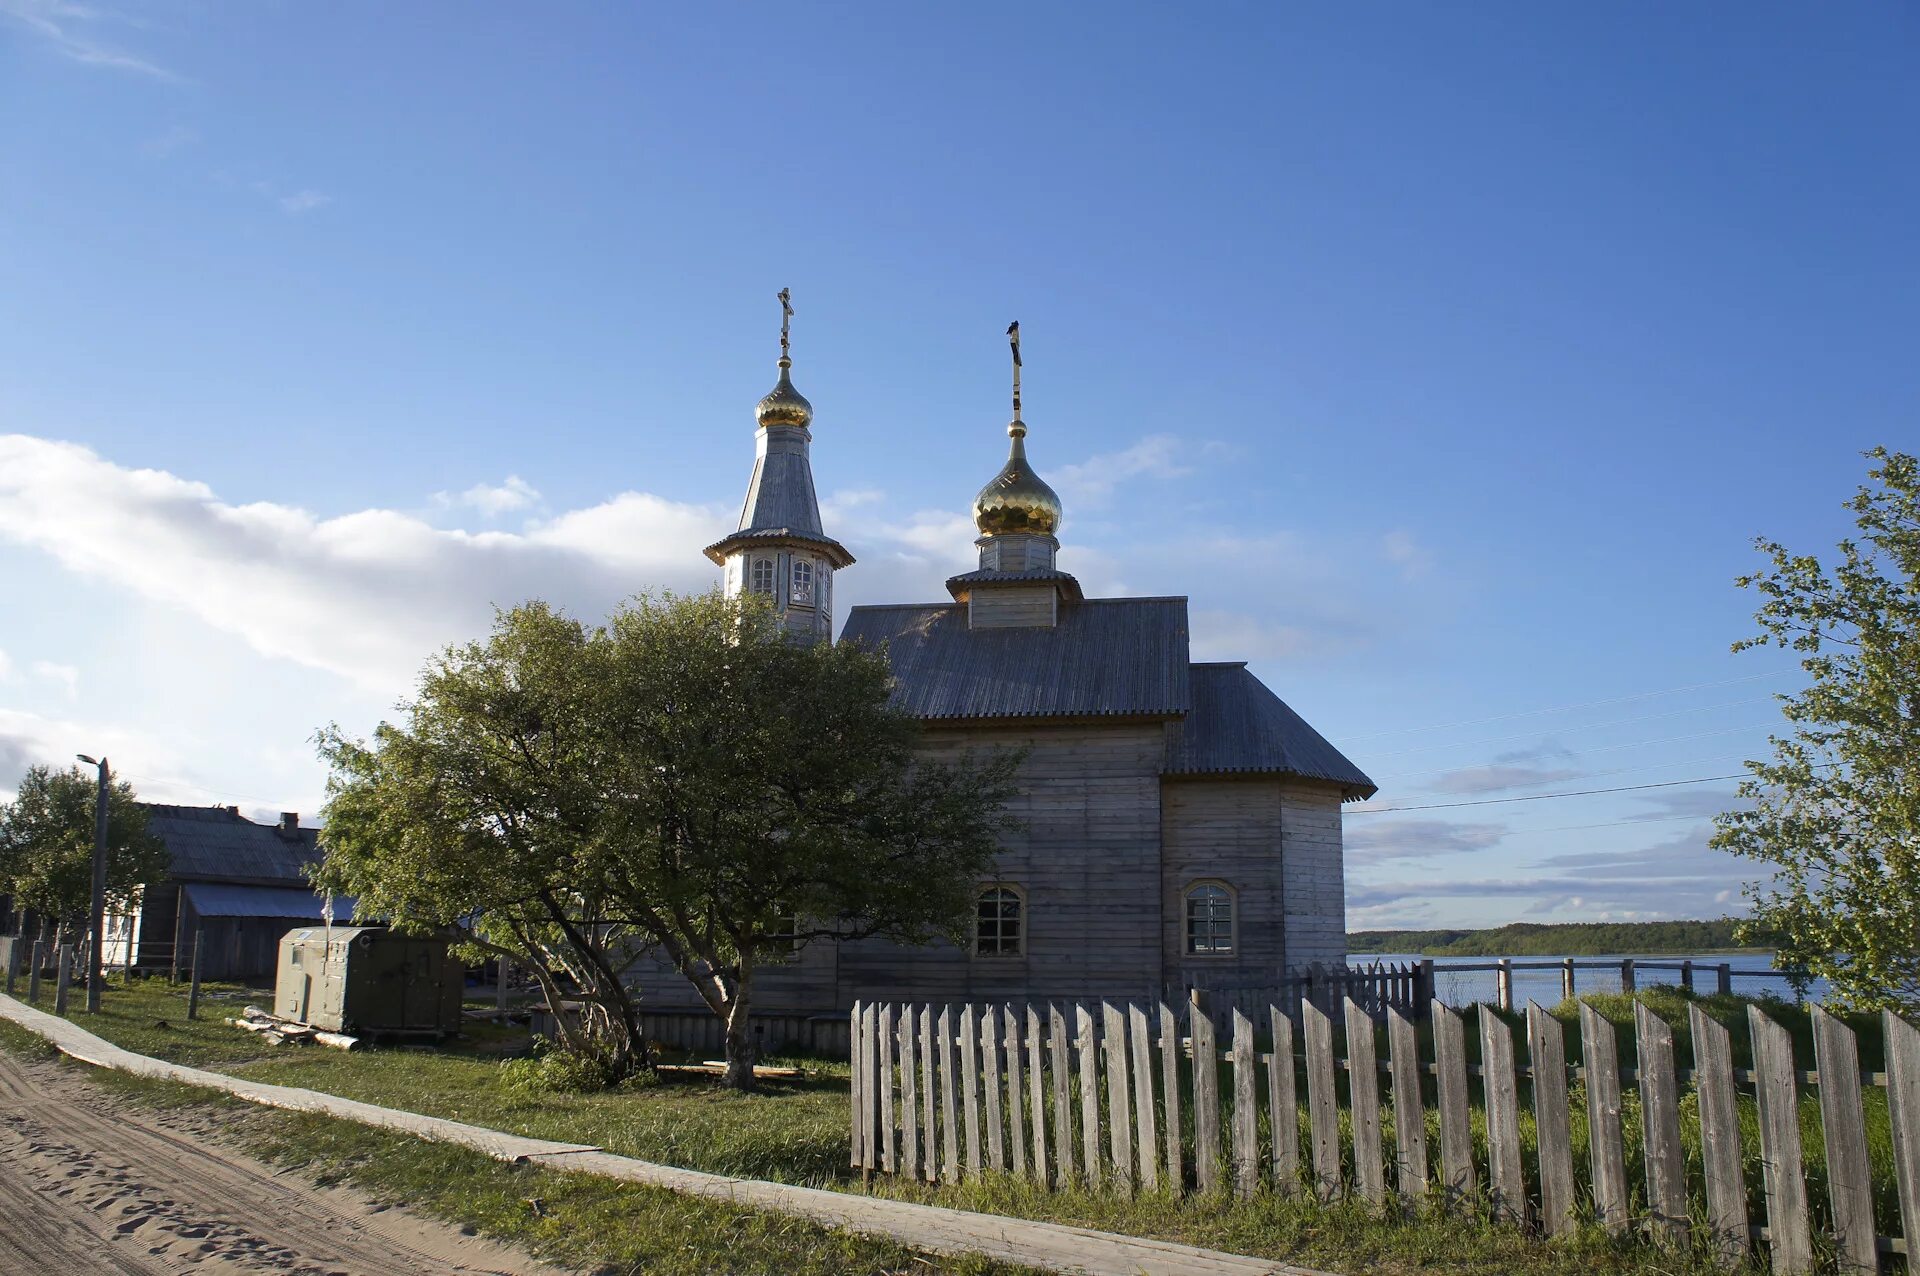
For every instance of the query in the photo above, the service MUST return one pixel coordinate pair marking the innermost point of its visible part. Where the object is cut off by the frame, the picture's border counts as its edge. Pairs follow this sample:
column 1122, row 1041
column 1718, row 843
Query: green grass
column 796, row 1131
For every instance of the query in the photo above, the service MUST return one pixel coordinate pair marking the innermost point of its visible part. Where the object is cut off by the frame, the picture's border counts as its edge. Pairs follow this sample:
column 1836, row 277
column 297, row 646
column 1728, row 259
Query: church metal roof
column 1107, row 657
column 219, row 844
column 1239, row 725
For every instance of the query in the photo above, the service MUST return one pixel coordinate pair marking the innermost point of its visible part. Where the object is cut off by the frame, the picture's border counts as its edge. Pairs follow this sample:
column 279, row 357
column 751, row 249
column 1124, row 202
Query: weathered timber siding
column 1012, row 606
column 1223, row 830
column 1313, row 881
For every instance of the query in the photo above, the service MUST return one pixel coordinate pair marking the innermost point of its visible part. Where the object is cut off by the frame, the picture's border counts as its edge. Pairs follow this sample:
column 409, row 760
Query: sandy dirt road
column 89, row 1183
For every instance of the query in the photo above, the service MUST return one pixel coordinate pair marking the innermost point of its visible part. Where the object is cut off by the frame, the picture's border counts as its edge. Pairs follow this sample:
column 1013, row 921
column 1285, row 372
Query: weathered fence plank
column 1506, row 1188
column 1903, row 1102
column 1323, row 1115
column 889, row 1127
column 1719, row 1137
column 1409, row 1108
column 928, row 1127
column 1660, row 1125
column 1246, row 1112
column 857, row 1082
column 1547, row 1053
column 1600, row 1052
column 1062, row 1100
column 949, row 1110
column 1283, row 1106
column 1843, row 1125
column 1788, row 1235
column 909, row 1096
column 1113, row 1025
column 1363, row 1100
column 1206, row 1100
column 1149, row 1146
column 1016, row 1096
column 970, row 1085
column 1037, row 1095
column 1170, row 1093
column 990, row 1083
column 1087, row 1045
column 870, row 1060
column 1457, row 1179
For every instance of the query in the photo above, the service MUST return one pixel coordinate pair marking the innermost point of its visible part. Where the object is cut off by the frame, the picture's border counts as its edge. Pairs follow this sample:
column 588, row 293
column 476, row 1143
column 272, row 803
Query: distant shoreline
column 1569, row 939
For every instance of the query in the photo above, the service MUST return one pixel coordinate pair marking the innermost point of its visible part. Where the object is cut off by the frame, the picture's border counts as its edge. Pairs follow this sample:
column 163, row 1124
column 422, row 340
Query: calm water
column 1753, row 974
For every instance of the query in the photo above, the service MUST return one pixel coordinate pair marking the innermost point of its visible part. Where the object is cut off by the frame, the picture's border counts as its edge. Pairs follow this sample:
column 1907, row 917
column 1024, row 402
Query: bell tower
column 779, row 549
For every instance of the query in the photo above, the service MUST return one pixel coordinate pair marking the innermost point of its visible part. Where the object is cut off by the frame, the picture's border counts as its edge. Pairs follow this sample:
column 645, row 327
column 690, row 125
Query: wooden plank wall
column 1087, row 1095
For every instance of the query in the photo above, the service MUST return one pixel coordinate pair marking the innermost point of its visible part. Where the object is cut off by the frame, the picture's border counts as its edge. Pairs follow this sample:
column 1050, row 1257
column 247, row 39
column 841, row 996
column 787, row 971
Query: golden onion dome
column 1016, row 501
column 784, row 405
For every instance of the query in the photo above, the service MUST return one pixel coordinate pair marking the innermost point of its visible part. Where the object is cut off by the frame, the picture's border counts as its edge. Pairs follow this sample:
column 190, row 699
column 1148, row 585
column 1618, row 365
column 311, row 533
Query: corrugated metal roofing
column 218, row 899
column 1239, row 725
column 1105, row 657
column 218, row 843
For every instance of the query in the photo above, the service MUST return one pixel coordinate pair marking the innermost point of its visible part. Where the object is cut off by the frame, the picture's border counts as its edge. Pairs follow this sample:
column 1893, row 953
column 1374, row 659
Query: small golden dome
column 1016, row 501
column 785, row 405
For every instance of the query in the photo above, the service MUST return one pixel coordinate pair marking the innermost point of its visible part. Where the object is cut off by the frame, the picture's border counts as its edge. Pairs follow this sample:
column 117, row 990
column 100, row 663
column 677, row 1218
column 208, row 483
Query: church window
column 803, row 580
column 1209, row 920
column 1000, row 926
column 762, row 579
column 782, row 934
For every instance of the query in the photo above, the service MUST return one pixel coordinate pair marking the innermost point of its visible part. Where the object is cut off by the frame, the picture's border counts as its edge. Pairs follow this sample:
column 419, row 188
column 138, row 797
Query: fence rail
column 1131, row 1097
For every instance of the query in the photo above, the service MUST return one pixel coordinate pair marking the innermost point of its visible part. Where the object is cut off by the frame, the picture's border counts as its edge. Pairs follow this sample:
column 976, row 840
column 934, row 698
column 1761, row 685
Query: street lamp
column 96, row 976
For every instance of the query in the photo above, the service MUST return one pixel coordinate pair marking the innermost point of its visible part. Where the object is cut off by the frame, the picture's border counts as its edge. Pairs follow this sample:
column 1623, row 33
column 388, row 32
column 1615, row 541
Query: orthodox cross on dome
column 786, row 320
column 1013, row 341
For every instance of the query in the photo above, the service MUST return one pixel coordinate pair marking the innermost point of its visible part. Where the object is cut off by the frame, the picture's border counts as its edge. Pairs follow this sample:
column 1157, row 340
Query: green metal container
column 368, row 981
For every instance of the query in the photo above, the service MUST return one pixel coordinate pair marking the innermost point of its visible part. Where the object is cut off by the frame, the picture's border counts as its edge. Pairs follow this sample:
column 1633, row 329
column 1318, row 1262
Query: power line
column 1542, row 797
column 1565, row 708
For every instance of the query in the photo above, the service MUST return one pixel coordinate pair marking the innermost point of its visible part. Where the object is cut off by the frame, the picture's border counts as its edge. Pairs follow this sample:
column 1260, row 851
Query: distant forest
column 1573, row 939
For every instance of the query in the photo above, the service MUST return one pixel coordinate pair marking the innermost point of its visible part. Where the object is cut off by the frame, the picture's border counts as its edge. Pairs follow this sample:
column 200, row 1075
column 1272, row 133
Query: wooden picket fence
column 1094, row 1096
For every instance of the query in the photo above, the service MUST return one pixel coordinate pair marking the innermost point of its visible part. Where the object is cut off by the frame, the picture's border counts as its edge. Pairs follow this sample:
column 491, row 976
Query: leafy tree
column 46, row 845
column 683, row 780
column 1837, row 808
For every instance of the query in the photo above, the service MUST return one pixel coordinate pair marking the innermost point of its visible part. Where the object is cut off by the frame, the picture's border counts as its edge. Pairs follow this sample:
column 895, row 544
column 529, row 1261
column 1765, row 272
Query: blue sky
column 1447, row 357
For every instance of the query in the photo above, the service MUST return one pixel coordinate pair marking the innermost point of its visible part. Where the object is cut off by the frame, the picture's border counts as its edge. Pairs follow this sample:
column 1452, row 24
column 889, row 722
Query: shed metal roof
column 1239, row 725
column 1105, row 657
column 218, row 843
column 219, row 899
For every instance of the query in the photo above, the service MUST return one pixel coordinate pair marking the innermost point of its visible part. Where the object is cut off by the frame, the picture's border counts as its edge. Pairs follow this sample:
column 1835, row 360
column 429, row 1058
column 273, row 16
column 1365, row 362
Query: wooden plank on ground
column 1206, row 1100
column 1170, row 1039
column 1409, row 1108
column 929, row 1130
column 889, row 1127
column 1903, row 1102
column 1719, row 1137
column 1062, row 1101
column 990, row 1085
column 1087, row 1044
column 1552, row 1123
column 1113, row 1025
column 1506, row 1187
column 909, row 1097
column 1776, row 1090
column 1843, row 1126
column 1600, row 1053
column 1016, row 1096
column 970, row 1086
column 1323, row 1111
column 949, row 1107
column 1363, row 1103
column 1457, row 1179
column 1660, row 1124
column 1148, row 1142
column 1246, row 1109
column 1283, row 1106
column 1037, row 1094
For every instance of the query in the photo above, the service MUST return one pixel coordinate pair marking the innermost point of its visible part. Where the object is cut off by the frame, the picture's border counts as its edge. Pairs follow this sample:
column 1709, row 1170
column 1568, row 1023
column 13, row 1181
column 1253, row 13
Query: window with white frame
column 1210, row 920
column 1000, row 924
column 760, row 581
column 803, row 580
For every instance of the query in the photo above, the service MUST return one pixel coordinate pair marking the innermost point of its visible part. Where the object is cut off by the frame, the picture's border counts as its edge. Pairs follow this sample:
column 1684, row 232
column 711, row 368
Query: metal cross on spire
column 1013, row 340
column 786, row 319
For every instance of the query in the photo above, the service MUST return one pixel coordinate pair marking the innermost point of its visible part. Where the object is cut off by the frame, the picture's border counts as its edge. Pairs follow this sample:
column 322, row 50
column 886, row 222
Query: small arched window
column 761, row 581
column 803, row 580
column 1210, row 920
column 1000, row 924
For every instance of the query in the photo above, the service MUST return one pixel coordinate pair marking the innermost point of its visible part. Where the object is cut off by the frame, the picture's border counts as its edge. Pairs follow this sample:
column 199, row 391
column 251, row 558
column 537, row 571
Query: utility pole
column 96, row 974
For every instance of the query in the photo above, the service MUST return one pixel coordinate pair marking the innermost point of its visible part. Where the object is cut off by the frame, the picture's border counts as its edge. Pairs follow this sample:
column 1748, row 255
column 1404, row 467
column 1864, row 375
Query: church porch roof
column 1238, row 725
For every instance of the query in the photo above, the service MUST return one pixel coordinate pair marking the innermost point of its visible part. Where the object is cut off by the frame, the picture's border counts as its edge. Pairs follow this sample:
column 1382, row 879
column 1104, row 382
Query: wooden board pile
column 276, row 1031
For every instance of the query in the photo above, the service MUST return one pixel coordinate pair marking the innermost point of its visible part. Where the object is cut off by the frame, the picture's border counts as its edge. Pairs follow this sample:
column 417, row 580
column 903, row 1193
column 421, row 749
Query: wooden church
column 1181, row 823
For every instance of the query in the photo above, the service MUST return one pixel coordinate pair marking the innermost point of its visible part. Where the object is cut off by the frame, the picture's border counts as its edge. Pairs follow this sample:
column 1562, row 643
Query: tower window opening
column 761, row 582
column 803, row 580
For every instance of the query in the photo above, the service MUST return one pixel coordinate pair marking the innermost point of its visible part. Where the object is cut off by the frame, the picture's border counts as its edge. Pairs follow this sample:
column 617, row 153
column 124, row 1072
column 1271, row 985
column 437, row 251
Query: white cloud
column 1370, row 841
column 1497, row 778
column 6, row 667
column 64, row 676
column 1093, row 480
column 514, row 494
column 1403, row 551
column 302, row 201
column 58, row 22
column 177, row 137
